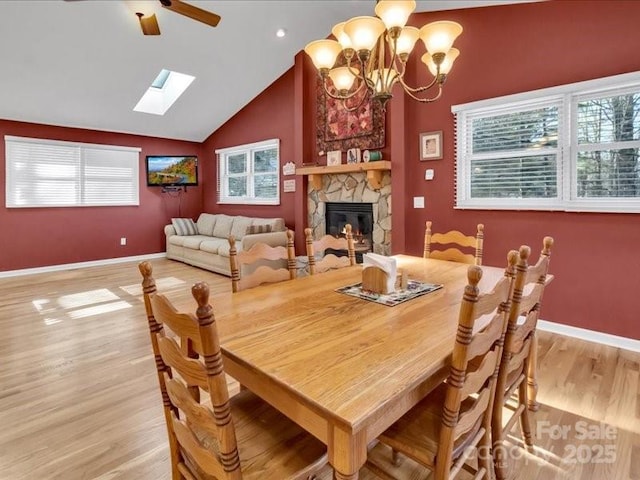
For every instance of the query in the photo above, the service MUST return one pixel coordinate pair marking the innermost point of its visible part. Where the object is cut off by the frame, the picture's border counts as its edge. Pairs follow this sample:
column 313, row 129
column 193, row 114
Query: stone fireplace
column 353, row 187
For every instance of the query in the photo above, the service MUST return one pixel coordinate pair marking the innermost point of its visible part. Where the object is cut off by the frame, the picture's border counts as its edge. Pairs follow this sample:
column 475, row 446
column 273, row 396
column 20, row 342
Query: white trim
column 588, row 87
column 590, row 335
column 248, row 146
column 69, row 266
column 64, row 143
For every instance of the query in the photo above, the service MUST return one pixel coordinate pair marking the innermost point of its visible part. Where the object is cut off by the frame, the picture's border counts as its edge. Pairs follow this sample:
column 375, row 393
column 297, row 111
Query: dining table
column 344, row 368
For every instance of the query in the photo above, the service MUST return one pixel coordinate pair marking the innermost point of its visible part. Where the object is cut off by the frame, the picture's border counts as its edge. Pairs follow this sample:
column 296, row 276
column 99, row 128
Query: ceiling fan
column 149, row 22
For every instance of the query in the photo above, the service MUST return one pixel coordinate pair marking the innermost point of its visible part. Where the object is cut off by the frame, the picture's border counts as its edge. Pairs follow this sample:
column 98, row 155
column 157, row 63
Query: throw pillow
column 252, row 229
column 184, row 226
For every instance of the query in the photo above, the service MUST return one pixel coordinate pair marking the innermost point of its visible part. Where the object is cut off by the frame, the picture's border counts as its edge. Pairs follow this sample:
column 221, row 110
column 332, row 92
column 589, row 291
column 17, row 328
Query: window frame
column 248, row 150
column 80, row 178
column 567, row 97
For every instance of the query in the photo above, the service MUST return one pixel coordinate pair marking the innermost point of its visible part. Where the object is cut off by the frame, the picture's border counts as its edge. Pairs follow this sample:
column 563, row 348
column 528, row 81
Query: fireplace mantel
column 374, row 172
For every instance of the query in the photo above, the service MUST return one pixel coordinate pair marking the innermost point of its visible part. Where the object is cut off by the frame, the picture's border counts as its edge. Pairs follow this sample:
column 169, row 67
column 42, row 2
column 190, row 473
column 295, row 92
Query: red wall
column 269, row 115
column 515, row 48
column 36, row 237
column 505, row 49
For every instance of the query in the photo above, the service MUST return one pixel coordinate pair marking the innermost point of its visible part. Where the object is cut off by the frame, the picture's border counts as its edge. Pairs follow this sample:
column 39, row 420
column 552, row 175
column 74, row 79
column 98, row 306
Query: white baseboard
column 69, row 266
column 590, row 335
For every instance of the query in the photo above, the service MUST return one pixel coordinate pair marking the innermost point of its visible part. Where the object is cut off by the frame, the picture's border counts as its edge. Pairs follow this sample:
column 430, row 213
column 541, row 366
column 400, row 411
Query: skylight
column 163, row 92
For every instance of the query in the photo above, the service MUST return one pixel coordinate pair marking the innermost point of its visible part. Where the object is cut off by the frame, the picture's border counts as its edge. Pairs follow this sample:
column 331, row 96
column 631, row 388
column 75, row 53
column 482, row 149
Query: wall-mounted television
column 172, row 170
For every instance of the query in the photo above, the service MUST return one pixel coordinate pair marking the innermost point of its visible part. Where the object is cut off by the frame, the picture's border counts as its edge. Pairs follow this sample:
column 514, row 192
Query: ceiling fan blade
column 149, row 24
column 190, row 11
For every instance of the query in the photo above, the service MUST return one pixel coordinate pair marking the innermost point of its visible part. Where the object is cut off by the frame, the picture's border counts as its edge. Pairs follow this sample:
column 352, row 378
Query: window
column 574, row 148
column 47, row 173
column 250, row 174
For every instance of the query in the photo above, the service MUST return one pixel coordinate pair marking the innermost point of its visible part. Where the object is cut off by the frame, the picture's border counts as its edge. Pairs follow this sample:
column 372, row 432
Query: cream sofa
column 209, row 248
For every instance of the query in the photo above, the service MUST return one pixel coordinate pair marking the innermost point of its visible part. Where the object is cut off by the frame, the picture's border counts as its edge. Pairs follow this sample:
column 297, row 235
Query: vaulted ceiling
column 86, row 63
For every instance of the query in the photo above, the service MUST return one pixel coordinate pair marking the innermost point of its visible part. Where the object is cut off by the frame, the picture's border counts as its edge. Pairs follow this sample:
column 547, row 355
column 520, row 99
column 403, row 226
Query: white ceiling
column 86, row 63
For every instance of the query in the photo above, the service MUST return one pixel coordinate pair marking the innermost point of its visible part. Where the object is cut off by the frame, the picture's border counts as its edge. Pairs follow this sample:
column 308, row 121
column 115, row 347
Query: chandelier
column 370, row 55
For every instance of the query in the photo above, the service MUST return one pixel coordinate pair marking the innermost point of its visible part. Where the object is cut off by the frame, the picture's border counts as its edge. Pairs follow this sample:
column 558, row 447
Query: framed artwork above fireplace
column 340, row 129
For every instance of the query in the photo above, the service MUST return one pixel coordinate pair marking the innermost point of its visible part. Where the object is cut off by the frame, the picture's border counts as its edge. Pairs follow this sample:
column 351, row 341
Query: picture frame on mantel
column 431, row 146
column 334, row 157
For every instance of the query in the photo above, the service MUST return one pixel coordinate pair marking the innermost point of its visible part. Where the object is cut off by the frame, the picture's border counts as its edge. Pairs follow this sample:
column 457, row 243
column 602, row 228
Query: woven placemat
column 414, row 289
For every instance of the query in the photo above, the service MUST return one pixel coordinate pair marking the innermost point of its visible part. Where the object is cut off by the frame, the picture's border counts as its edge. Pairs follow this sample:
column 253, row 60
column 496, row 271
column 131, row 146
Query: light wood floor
column 79, row 399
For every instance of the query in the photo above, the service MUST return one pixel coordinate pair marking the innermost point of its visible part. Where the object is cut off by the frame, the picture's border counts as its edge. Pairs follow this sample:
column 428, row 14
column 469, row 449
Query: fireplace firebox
column 359, row 216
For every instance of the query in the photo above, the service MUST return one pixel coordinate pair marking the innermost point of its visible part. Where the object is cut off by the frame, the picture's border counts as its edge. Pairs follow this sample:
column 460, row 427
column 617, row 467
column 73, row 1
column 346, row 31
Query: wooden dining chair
column 454, row 237
column 258, row 265
column 328, row 242
column 515, row 377
column 444, row 430
column 203, row 438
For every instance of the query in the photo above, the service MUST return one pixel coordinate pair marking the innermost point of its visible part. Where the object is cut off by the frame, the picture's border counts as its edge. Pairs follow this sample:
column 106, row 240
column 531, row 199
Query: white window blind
column 250, row 174
column 48, row 173
column 573, row 147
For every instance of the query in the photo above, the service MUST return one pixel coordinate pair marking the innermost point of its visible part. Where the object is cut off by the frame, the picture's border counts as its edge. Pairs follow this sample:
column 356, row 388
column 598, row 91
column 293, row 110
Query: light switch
column 418, row 202
column 428, row 174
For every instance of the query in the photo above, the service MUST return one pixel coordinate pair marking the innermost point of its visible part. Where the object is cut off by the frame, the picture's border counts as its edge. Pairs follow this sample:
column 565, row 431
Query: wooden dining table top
column 345, row 356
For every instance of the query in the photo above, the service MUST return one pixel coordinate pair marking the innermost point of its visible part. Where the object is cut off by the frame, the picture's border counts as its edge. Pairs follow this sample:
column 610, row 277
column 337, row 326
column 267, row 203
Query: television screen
column 180, row 170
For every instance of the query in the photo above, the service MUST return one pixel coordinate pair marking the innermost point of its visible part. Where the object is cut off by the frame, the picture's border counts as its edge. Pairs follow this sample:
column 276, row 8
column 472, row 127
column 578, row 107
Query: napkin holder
column 375, row 280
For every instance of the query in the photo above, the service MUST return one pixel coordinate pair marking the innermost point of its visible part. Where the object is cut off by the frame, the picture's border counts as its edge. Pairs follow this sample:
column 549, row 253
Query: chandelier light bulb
column 364, row 32
column 395, row 13
column 407, row 39
column 445, row 66
column 343, row 38
column 438, row 37
column 323, row 53
column 342, row 78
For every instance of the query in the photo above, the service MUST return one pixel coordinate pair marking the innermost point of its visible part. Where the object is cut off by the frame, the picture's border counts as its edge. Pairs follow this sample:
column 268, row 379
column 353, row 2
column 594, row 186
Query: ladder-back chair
column 258, row 265
column 454, row 421
column 454, row 237
column 330, row 261
column 519, row 354
column 203, row 438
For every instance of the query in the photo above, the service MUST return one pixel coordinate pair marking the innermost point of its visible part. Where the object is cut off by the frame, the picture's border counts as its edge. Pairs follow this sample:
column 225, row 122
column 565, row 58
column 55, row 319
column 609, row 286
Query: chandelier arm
column 409, row 89
column 426, row 100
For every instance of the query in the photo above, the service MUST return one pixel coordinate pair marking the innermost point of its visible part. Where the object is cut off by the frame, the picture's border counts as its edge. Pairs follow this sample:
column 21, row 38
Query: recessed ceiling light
column 281, row 32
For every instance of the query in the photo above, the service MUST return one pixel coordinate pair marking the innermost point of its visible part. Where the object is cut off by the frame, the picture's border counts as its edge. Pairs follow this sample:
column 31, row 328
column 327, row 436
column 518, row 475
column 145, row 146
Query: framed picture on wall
column 431, row 146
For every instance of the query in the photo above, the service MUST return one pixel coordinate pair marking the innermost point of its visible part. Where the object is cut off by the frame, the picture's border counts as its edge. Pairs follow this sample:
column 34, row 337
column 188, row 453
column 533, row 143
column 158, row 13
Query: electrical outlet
column 418, row 202
column 123, row 241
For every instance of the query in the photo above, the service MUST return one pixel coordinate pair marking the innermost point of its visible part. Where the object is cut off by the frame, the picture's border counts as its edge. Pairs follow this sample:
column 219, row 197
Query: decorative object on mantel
column 334, row 157
column 341, row 129
column 353, row 155
column 365, row 42
column 371, row 155
column 289, row 168
column 431, row 146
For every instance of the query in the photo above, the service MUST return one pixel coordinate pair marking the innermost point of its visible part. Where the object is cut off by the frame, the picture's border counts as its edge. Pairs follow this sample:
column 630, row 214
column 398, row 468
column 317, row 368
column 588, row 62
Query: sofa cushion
column 212, row 245
column 223, row 249
column 194, row 241
column 240, row 225
column 176, row 240
column 184, row 226
column 205, row 224
column 222, row 228
column 253, row 229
